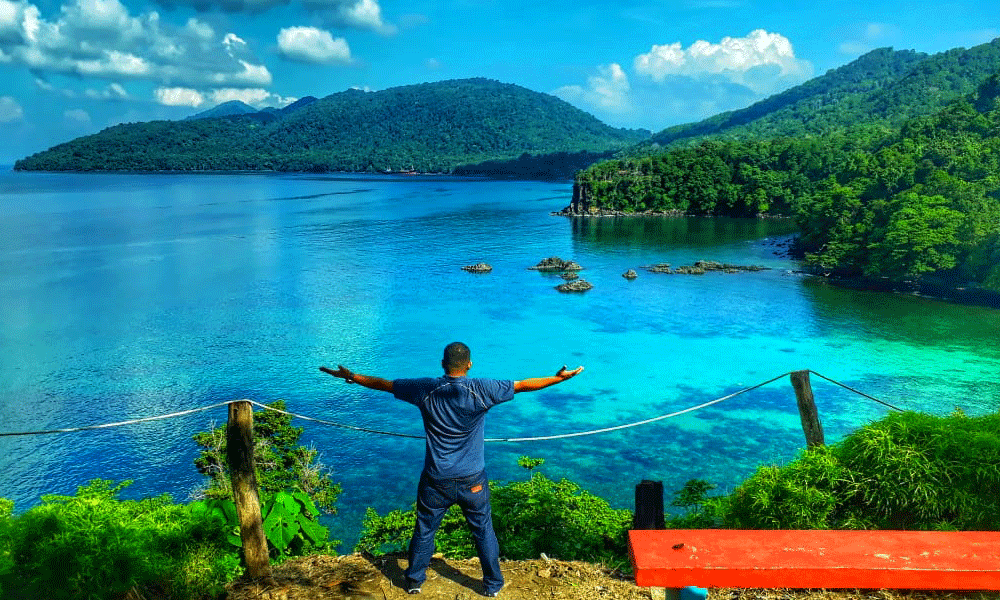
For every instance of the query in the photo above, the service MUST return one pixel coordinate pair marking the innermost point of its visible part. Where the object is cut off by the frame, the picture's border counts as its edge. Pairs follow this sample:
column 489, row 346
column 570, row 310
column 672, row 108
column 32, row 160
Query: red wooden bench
column 923, row 560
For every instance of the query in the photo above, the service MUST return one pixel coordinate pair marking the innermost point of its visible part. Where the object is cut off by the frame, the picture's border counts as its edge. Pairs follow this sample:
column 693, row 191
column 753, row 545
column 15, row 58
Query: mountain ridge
column 883, row 86
column 428, row 127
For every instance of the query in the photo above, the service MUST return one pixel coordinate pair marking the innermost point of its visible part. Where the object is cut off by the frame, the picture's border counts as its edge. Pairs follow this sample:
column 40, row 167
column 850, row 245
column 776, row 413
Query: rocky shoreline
column 568, row 270
column 937, row 289
column 700, row 267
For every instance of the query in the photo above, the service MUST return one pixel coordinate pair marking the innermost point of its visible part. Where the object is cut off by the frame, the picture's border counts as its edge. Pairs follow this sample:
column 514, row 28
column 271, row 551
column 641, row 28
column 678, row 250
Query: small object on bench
column 922, row 560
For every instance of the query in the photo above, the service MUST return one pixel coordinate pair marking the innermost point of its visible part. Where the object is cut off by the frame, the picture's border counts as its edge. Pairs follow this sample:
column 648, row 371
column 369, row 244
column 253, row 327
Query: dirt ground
column 357, row 577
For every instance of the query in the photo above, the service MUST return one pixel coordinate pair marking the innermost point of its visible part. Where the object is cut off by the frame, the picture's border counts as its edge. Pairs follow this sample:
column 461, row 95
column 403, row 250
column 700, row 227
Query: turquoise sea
column 132, row 295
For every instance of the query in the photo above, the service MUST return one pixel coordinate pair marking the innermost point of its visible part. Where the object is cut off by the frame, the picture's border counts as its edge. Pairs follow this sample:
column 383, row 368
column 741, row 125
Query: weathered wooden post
column 239, row 452
column 648, row 505
column 807, row 408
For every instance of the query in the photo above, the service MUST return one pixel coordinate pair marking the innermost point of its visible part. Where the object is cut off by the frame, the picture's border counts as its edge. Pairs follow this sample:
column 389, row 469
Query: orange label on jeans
column 476, row 489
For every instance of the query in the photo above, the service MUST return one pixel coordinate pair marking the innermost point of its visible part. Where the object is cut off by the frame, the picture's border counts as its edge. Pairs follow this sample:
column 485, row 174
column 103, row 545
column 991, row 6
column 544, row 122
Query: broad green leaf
column 313, row 531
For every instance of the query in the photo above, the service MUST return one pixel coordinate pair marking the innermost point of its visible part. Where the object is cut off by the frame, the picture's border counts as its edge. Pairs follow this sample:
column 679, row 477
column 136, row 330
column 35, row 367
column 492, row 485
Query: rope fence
column 420, row 437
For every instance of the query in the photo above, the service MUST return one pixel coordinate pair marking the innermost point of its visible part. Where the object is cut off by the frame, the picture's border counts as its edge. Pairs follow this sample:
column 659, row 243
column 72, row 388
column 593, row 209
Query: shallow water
column 133, row 295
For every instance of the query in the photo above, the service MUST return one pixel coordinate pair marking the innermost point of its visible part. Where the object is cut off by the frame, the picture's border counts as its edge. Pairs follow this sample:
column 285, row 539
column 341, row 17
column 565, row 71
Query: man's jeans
column 434, row 496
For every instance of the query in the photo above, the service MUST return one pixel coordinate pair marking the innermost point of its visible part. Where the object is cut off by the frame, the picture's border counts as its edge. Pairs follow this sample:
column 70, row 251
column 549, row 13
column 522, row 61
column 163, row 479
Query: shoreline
column 969, row 295
column 602, row 213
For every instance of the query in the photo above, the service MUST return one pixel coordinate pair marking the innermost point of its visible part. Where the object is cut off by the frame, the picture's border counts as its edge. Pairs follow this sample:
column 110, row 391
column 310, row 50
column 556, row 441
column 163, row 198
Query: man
column 454, row 408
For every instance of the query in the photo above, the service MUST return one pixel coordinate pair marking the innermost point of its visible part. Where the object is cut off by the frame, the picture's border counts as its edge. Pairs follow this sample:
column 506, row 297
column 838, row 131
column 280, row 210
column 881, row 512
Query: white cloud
column 672, row 84
column 366, row 14
column 607, row 91
column 254, row 97
column 759, row 61
column 200, row 29
column 179, row 96
column 114, row 64
column 113, row 91
column 10, row 110
column 312, row 45
column 77, row 117
column 358, row 14
column 96, row 15
column 99, row 39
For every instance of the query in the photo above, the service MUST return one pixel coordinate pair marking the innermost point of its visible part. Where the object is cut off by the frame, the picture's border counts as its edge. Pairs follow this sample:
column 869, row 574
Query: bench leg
column 686, row 593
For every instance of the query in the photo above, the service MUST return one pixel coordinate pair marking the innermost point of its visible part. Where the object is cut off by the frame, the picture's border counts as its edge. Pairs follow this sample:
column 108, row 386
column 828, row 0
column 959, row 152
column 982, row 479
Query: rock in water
column 630, row 274
column 579, row 285
column 478, row 268
column 554, row 263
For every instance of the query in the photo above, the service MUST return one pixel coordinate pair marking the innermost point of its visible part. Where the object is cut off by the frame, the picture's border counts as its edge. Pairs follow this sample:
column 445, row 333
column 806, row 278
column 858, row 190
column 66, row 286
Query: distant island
column 466, row 127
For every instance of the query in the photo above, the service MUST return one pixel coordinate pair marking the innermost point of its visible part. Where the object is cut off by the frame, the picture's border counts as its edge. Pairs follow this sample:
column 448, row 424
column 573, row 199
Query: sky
column 74, row 67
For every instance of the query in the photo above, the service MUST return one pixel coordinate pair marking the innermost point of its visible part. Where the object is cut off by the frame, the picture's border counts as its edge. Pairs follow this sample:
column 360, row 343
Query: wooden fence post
column 807, row 408
column 239, row 452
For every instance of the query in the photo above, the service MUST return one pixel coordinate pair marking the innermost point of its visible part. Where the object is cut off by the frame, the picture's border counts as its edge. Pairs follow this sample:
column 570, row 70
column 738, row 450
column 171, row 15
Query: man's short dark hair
column 456, row 356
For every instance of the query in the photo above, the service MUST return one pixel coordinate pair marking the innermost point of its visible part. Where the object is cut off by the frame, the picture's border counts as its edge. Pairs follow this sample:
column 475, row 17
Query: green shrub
column 560, row 519
column 289, row 521
column 906, row 471
column 95, row 546
column 530, row 517
column 282, row 464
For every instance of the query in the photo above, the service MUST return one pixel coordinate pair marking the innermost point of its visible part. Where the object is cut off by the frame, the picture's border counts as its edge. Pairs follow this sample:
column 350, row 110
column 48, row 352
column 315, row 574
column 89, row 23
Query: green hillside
column 896, row 204
column 884, row 87
column 431, row 127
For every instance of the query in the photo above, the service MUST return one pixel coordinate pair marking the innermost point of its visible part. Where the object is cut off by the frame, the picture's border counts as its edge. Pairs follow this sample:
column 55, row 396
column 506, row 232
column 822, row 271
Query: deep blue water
column 134, row 295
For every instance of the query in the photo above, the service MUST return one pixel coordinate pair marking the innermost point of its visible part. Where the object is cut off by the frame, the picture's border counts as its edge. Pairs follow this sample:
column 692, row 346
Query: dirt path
column 355, row 577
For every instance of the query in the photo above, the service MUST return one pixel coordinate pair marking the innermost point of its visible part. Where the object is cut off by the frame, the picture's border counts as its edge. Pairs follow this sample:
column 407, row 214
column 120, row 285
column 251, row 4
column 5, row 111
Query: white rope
column 118, row 424
column 332, row 424
column 536, row 438
column 637, row 423
column 847, row 387
column 420, row 437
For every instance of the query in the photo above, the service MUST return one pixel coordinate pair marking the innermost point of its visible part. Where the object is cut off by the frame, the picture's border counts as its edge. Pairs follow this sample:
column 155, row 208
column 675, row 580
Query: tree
column 281, row 463
column 921, row 237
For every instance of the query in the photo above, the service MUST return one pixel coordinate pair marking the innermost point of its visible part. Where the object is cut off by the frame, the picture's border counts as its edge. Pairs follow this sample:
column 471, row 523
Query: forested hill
column 920, row 200
column 443, row 127
column 882, row 87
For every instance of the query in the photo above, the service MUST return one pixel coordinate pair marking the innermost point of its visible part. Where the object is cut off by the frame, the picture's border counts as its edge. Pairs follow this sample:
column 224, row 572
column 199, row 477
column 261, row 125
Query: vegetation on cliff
column 901, row 204
column 884, row 87
column 906, row 471
column 431, row 127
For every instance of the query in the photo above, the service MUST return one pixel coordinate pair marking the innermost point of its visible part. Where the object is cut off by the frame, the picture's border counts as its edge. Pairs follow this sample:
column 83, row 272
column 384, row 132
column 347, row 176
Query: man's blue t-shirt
column 454, row 412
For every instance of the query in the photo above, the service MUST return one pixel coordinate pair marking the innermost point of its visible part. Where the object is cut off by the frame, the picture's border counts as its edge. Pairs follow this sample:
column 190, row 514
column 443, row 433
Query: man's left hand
column 565, row 374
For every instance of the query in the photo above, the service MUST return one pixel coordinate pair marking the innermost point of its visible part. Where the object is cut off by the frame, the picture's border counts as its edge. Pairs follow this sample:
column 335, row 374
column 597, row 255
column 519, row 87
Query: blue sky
column 73, row 67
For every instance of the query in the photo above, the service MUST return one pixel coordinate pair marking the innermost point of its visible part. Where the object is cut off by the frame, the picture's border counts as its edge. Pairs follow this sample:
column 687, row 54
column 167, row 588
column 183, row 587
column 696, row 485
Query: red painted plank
column 926, row 560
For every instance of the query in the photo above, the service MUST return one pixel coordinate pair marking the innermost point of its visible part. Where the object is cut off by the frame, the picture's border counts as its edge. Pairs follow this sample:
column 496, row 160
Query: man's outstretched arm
column 368, row 381
column 537, row 383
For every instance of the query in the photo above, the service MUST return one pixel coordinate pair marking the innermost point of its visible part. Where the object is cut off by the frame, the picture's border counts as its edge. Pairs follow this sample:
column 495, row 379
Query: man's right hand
column 342, row 372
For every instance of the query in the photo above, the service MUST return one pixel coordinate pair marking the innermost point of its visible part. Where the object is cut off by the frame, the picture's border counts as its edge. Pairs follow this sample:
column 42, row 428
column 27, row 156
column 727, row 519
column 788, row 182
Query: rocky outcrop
column 570, row 276
column 660, row 268
column 554, row 263
column 630, row 274
column 579, row 285
column 478, row 268
column 701, row 267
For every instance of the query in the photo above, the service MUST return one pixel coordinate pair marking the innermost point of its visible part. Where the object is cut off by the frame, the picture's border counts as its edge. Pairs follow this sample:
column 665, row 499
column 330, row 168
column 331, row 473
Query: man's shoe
column 413, row 590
